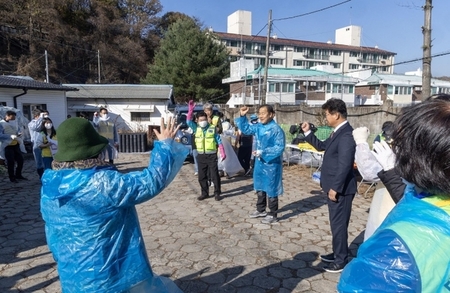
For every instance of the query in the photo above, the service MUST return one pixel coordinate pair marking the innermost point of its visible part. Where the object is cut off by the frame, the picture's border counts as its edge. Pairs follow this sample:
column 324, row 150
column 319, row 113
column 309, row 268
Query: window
column 299, row 49
column 336, row 53
column 336, row 65
column 299, row 63
column 276, row 61
column 233, row 44
column 277, row 47
column 287, row 87
column 3, row 104
column 320, row 86
column 390, row 89
column 353, row 54
column 28, row 109
column 140, row 116
column 353, row 66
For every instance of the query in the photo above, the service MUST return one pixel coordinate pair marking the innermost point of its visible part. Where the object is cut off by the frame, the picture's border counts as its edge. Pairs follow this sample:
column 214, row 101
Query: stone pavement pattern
column 205, row 246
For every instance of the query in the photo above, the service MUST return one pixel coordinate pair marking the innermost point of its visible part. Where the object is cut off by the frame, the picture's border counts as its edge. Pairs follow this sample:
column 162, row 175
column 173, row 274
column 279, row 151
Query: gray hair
column 207, row 106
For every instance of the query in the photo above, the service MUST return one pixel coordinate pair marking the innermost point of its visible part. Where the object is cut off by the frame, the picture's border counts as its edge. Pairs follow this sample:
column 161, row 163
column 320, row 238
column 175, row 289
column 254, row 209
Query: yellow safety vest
column 106, row 129
column 214, row 120
column 205, row 140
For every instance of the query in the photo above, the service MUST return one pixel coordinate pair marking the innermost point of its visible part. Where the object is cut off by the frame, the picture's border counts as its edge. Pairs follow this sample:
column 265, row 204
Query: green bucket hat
column 78, row 140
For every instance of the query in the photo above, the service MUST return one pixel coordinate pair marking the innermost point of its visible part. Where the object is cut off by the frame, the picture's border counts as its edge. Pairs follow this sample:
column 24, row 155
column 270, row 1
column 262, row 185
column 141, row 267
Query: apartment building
column 345, row 55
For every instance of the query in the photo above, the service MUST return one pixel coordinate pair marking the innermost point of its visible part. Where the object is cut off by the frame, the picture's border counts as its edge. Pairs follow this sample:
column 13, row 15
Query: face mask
column 49, row 126
column 105, row 116
column 45, row 116
column 203, row 124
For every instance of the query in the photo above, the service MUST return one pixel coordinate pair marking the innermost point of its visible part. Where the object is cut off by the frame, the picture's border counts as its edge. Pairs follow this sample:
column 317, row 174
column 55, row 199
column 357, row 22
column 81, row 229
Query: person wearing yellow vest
column 107, row 129
column 410, row 252
column 8, row 135
column 48, row 143
column 213, row 119
column 207, row 142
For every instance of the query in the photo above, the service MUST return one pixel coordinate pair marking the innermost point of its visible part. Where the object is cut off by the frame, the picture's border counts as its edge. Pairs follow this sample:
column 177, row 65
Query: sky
column 392, row 25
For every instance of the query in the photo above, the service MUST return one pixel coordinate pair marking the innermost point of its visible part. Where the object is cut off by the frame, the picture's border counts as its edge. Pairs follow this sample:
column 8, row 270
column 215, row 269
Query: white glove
column 42, row 115
column 13, row 136
column 384, row 155
column 258, row 153
column 361, row 134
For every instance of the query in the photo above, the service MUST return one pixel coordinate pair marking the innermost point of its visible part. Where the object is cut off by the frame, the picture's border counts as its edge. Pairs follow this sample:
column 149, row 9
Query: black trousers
column 262, row 203
column 339, row 215
column 207, row 167
column 13, row 156
column 244, row 155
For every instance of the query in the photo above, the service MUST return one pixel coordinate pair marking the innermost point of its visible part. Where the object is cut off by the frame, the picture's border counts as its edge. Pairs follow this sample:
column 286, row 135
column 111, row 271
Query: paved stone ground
column 205, row 246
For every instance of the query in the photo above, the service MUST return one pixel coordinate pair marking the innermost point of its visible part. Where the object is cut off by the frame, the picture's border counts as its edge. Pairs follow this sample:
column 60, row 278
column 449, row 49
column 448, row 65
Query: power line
column 312, row 12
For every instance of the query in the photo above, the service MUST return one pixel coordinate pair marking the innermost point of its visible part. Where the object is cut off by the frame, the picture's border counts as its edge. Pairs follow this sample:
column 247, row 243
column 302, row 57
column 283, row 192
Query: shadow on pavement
column 302, row 206
column 285, row 275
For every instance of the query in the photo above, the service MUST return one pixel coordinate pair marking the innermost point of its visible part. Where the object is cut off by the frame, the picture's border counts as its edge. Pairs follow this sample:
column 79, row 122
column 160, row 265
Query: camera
column 294, row 129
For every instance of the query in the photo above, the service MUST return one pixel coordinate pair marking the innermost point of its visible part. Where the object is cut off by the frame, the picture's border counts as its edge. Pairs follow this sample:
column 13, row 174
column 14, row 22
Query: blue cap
column 253, row 117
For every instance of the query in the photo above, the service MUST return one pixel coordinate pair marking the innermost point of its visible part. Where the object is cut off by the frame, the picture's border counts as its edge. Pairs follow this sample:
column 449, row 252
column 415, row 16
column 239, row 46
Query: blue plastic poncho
column 92, row 227
column 268, row 171
column 409, row 252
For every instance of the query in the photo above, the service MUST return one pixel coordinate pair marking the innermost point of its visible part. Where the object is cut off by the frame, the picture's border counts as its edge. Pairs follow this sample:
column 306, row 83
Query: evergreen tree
column 192, row 60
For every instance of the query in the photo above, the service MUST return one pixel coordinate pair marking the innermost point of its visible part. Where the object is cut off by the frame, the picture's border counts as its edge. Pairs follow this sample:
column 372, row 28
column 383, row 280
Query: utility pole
column 266, row 65
column 98, row 65
column 426, row 62
column 46, row 67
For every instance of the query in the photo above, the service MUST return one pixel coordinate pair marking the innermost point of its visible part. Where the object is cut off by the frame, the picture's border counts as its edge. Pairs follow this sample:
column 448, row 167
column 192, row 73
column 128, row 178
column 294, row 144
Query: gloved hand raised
column 361, row 134
column 384, row 155
column 13, row 136
column 191, row 106
column 222, row 152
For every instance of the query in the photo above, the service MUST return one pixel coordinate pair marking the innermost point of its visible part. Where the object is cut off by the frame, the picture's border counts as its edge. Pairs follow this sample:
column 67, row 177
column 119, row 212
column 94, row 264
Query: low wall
column 372, row 117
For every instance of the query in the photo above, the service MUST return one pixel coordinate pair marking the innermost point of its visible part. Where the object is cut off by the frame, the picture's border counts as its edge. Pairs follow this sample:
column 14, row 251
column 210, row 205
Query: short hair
column 103, row 108
column 207, row 106
column 10, row 113
column 422, row 146
column 334, row 105
column 37, row 112
column 269, row 108
column 201, row 114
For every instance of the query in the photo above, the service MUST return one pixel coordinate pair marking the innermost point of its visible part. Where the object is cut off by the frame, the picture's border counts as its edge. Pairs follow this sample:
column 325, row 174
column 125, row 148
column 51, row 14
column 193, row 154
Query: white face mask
column 203, row 124
column 48, row 126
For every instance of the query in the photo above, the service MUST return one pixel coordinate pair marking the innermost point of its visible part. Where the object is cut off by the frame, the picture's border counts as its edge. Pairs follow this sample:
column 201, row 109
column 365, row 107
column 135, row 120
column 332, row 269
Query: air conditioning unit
column 383, row 61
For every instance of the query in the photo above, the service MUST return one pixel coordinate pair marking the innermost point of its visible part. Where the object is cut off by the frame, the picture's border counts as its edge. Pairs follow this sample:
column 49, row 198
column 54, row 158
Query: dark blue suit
column 337, row 174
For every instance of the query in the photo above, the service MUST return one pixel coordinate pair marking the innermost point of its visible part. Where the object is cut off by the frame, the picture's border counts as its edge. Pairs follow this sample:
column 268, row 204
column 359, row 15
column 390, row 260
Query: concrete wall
column 370, row 116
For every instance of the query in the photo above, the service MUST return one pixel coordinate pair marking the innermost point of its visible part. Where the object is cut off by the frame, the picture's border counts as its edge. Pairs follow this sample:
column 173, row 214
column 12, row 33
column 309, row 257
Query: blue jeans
column 194, row 154
column 37, row 153
column 47, row 162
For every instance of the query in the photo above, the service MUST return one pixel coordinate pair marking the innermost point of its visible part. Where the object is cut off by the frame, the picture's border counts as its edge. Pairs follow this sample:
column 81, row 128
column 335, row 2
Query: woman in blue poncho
column 410, row 252
column 91, row 223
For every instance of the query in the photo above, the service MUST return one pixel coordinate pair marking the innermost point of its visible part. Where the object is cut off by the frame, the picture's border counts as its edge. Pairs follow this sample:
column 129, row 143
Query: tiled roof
column 121, row 91
column 17, row 82
column 301, row 43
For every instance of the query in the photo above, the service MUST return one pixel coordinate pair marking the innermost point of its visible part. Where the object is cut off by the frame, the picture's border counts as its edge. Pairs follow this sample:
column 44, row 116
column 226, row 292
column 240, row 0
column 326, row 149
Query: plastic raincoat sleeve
column 192, row 125
column 367, row 164
column 136, row 187
column 244, row 126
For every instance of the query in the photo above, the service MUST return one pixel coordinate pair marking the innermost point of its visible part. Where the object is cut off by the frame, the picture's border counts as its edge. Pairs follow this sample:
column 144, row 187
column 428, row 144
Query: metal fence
column 133, row 142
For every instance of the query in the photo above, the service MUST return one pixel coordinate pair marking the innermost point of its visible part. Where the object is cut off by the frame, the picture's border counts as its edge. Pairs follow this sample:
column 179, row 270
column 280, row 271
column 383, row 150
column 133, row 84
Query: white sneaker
column 257, row 214
column 269, row 220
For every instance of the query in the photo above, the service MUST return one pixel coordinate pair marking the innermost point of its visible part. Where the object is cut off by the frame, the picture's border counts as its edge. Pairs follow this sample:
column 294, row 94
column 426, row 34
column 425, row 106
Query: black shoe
column 327, row 257
column 217, row 197
column 21, row 178
column 202, row 197
column 334, row 268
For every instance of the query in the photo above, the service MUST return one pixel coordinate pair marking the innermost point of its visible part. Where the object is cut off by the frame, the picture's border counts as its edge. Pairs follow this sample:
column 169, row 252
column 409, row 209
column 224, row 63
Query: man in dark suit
column 337, row 178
